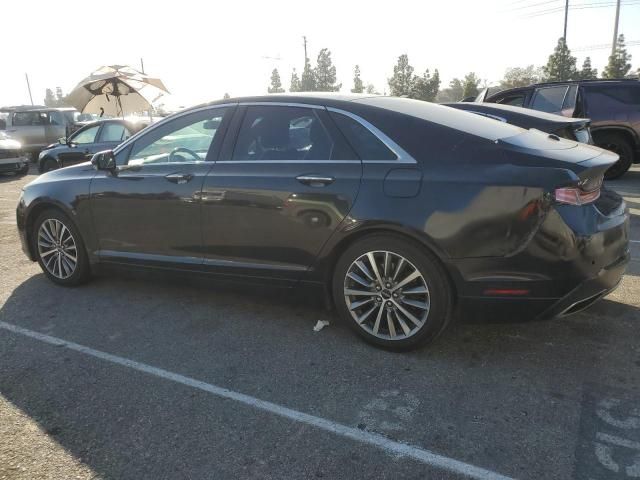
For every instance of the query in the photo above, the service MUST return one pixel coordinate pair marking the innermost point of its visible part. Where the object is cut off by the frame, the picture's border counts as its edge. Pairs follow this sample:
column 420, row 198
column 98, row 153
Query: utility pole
column 304, row 38
column 566, row 17
column 615, row 29
column 28, row 88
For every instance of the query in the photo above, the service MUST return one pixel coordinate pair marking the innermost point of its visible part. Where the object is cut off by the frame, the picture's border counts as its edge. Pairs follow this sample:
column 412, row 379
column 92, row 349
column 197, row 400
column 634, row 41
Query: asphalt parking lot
column 129, row 378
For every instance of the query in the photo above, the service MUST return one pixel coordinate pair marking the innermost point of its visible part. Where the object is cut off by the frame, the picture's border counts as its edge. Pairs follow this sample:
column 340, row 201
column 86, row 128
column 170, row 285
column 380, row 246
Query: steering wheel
column 185, row 150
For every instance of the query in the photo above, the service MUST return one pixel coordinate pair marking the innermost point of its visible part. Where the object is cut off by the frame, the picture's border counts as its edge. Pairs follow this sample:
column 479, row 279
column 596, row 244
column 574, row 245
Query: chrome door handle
column 315, row 180
column 179, row 178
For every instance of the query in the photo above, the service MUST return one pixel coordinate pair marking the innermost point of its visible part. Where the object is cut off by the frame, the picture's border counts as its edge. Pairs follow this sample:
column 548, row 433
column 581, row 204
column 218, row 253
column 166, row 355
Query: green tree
column 295, row 82
column 587, row 73
column 426, row 87
column 521, row 77
column 308, row 79
column 561, row 65
column 470, row 85
column 49, row 98
column 325, row 73
column 358, row 86
column 403, row 80
column 371, row 90
column 276, row 83
column 619, row 62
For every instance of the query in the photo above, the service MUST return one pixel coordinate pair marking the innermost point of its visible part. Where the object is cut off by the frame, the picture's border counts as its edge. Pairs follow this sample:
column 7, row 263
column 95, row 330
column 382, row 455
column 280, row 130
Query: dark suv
column 612, row 105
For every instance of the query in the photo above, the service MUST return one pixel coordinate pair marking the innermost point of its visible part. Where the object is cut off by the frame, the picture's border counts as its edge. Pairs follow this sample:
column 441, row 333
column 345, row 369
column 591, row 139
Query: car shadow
column 125, row 424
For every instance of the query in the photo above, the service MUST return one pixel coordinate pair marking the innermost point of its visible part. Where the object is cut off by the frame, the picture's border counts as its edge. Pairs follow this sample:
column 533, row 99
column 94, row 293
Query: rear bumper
column 576, row 257
column 590, row 291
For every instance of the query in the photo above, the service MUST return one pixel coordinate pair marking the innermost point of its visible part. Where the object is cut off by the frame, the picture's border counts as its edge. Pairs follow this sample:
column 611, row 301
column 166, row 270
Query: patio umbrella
column 116, row 90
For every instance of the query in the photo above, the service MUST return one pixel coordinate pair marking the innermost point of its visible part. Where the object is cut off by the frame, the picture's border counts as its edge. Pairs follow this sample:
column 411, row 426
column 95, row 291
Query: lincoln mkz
column 397, row 210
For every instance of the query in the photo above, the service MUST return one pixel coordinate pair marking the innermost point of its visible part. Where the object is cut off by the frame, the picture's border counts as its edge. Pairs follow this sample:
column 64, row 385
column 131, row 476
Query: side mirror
column 104, row 160
column 62, row 141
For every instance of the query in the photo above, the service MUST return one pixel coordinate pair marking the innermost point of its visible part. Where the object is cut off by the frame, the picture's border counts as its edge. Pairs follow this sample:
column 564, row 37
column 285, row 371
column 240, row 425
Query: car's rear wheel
column 616, row 143
column 392, row 292
column 59, row 249
column 49, row 164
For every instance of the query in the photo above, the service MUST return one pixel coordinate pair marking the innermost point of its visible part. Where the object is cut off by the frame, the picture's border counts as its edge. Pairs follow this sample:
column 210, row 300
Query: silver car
column 12, row 158
column 36, row 127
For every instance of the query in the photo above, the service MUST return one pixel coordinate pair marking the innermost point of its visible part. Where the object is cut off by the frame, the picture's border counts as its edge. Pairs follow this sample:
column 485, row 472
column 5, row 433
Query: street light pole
column 615, row 29
column 28, row 88
column 566, row 17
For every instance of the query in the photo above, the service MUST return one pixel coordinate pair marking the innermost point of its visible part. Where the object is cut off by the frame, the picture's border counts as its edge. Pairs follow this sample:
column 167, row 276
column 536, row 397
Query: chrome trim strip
column 403, row 156
column 153, row 126
column 282, row 104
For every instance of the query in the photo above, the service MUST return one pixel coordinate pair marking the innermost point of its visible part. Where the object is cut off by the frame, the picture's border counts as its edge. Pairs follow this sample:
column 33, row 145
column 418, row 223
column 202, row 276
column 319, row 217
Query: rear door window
column 362, row 140
column 283, row 133
column 86, row 136
column 549, row 99
column 114, row 132
column 27, row 119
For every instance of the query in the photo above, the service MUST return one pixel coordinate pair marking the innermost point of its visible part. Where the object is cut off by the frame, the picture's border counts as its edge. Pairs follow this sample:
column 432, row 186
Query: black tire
column 48, row 164
column 23, row 171
column 440, row 294
column 616, row 143
column 81, row 273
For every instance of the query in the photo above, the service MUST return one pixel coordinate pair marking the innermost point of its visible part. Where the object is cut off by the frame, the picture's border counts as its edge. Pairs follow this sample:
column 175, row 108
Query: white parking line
column 634, row 241
column 390, row 446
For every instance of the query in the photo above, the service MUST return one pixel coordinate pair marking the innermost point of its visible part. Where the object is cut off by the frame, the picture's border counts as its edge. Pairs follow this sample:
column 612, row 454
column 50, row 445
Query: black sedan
column 83, row 143
column 396, row 209
column 565, row 127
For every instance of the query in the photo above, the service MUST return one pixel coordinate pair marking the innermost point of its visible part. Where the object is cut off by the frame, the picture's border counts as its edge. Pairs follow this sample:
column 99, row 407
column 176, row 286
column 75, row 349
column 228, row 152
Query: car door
column 283, row 182
column 147, row 211
column 79, row 146
column 28, row 128
column 55, row 127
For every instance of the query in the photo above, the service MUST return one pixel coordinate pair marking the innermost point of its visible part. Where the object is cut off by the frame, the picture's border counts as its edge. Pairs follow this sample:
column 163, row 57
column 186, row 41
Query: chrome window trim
column 282, row 104
column 170, row 118
column 403, row 156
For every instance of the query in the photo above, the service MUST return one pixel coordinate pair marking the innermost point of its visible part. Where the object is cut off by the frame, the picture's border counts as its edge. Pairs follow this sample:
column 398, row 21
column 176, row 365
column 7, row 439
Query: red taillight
column 576, row 196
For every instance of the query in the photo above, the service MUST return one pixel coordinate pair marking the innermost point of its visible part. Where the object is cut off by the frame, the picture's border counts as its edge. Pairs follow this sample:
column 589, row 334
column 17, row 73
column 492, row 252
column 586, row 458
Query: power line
column 577, row 7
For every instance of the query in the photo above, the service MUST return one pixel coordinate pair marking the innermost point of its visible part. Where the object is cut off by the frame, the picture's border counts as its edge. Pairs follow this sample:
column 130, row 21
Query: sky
column 203, row 49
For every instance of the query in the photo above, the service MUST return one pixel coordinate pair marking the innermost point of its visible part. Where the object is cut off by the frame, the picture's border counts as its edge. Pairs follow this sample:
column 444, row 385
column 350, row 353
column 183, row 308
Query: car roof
column 39, row 108
column 431, row 112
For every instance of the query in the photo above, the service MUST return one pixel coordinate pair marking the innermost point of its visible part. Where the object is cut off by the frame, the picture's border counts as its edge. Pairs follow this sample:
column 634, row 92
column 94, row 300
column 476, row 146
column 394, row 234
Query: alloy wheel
column 386, row 295
column 57, row 248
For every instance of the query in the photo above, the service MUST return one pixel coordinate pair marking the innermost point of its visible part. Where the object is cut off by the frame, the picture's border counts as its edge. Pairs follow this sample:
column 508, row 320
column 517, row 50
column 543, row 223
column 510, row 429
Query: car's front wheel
column 392, row 292
column 59, row 249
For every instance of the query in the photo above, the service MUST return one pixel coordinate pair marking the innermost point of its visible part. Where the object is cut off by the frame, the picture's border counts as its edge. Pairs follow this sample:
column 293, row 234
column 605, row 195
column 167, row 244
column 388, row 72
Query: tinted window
column 515, row 100
column 549, row 99
column 612, row 97
column 282, row 133
column 114, row 132
column 56, row 118
column 86, row 136
column 27, row 119
column 183, row 139
column 363, row 141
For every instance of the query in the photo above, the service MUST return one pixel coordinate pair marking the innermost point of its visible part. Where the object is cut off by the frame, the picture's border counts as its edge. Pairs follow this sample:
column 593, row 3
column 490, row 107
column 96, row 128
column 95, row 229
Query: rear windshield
column 449, row 117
